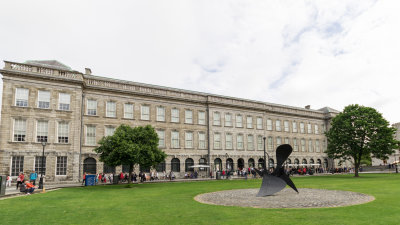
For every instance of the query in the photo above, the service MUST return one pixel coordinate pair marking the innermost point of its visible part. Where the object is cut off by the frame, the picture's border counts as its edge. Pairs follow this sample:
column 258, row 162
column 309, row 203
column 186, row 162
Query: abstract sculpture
column 277, row 180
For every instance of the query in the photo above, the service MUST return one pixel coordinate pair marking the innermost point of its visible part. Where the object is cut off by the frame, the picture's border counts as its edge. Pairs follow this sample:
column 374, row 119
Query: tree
column 358, row 133
column 130, row 146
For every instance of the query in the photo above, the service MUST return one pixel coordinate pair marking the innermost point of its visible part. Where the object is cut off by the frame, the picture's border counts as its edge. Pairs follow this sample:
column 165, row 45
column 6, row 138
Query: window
column 296, row 146
column 286, row 125
column 217, row 141
column 174, row 139
column 63, row 131
column 317, row 146
column 44, row 99
column 64, row 100
column 90, row 135
column 128, row 111
column 259, row 123
column 202, row 140
column 17, row 165
column 302, row 127
column 239, row 141
column 294, row 127
column 145, row 112
column 160, row 114
column 249, row 122
column 175, row 115
column 110, row 130
column 269, row 124
column 42, row 131
column 175, row 165
column 21, row 97
column 228, row 141
column 110, row 109
column 323, row 128
column 202, row 118
column 38, row 165
column 250, row 142
column 161, row 138
column 188, row 116
column 61, row 165
column 310, row 146
column 259, row 143
column 91, row 107
column 217, row 119
column 309, row 130
column 278, row 141
column 188, row 140
column 19, row 130
column 316, row 129
column 270, row 144
column 287, row 140
column 303, row 145
column 278, row 125
column 228, row 120
column 239, row 122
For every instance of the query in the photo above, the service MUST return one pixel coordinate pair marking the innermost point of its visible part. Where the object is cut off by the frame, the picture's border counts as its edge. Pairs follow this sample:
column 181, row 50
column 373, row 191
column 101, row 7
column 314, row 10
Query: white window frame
column 249, row 122
column 228, row 141
column 239, row 121
column 24, row 99
column 216, row 118
column 269, row 124
column 61, row 123
column 21, row 132
column 160, row 110
column 174, row 115
column 228, row 120
column 129, row 114
column 42, row 133
column 89, row 139
column 250, row 142
column 201, row 120
column 302, row 128
column 260, row 142
column 145, row 112
column 111, row 109
column 202, row 140
column 286, row 126
column 270, row 143
column 259, row 123
column 294, row 127
column 217, row 141
column 189, row 116
column 44, row 96
column 316, row 129
column 175, row 139
column 278, row 126
column 107, row 130
column 64, row 101
column 309, row 128
column 310, row 146
column 240, row 141
column 188, row 139
column 161, row 138
column 91, row 104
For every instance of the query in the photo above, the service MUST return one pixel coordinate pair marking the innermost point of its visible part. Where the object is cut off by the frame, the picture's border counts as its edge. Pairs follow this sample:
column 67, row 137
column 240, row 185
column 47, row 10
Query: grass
column 172, row 203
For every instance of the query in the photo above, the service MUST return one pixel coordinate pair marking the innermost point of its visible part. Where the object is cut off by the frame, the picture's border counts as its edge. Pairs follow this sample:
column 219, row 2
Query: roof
column 329, row 110
column 54, row 64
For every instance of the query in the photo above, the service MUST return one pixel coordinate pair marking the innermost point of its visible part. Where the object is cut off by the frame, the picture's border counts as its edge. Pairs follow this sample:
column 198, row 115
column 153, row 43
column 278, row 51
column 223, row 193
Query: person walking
column 84, row 178
column 8, row 182
column 33, row 177
column 20, row 179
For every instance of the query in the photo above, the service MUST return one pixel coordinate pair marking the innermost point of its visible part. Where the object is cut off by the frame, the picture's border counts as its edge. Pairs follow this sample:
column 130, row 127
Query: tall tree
column 360, row 132
column 130, row 146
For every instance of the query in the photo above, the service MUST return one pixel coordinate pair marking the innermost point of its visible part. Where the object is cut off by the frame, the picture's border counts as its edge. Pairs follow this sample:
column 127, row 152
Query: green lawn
column 172, row 203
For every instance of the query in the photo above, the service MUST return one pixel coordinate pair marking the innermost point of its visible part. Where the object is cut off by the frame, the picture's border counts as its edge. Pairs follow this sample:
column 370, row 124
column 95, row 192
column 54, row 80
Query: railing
column 42, row 70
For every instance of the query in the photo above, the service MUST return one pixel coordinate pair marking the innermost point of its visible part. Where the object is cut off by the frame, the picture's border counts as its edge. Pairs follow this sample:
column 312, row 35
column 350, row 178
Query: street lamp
column 265, row 157
column 41, row 186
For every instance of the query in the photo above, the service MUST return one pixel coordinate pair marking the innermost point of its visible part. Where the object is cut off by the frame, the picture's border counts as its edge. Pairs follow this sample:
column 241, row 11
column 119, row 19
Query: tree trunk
column 356, row 170
column 130, row 173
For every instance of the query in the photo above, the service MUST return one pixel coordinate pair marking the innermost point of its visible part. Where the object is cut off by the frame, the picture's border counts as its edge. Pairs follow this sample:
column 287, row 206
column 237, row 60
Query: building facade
column 393, row 158
column 47, row 102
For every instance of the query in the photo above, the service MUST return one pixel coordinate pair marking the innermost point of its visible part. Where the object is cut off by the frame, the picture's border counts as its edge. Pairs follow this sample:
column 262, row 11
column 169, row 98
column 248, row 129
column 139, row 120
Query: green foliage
column 360, row 133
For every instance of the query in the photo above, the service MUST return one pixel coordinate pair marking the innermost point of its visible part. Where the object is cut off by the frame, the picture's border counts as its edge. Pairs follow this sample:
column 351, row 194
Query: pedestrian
column 20, row 179
column 84, row 178
column 8, row 183
column 33, row 177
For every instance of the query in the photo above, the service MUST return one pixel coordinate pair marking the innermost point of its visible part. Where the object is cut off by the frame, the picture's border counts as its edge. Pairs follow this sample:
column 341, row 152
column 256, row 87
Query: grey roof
column 49, row 63
column 329, row 110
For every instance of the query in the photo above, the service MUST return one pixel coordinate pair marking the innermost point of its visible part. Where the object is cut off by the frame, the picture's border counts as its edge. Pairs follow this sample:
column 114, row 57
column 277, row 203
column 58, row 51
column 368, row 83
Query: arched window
column 240, row 164
column 326, row 163
column 188, row 163
column 161, row 167
column 271, row 163
column 289, row 161
column 311, row 161
column 175, row 165
column 229, row 164
column 261, row 163
column 319, row 162
column 296, row 161
column 304, row 161
column 89, row 166
column 251, row 163
column 217, row 164
column 202, row 161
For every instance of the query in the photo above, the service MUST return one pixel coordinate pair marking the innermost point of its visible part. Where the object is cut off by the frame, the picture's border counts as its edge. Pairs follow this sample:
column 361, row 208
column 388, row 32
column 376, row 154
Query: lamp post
column 41, row 186
column 265, row 157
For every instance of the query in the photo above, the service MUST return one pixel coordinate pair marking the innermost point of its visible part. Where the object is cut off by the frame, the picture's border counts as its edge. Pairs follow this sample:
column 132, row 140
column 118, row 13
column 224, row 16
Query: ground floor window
column 175, row 165
column 188, row 165
column 38, row 165
column 61, row 165
column 17, row 165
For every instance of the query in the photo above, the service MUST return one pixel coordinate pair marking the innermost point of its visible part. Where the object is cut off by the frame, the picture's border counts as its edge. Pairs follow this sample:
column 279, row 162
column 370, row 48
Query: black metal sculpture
column 277, row 180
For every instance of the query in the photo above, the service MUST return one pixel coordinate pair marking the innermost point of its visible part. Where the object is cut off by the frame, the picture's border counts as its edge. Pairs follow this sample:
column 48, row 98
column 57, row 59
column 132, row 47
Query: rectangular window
column 160, row 114
column 269, row 124
column 239, row 122
column 259, row 123
column 17, row 165
column 175, row 115
column 63, row 132
column 44, row 99
column 309, row 130
column 323, row 128
column 228, row 141
column 249, row 122
column 278, row 125
column 260, row 143
column 228, row 120
column 278, row 141
column 128, row 111
column 239, row 141
column 145, row 112
column 61, row 165
column 21, row 97
column 217, row 119
column 188, row 116
column 109, row 131
column 111, row 109
column 317, row 146
column 294, row 127
column 64, row 100
column 174, row 139
column 287, row 140
column 90, row 135
column 19, row 130
column 250, row 142
column 303, row 145
column 270, row 144
column 295, row 145
column 302, row 127
column 42, row 131
column 286, row 125
column 217, row 141
column 161, row 138
column 202, row 118
column 316, row 129
column 188, row 140
column 38, row 165
column 91, row 107
column 310, row 146
column 202, row 140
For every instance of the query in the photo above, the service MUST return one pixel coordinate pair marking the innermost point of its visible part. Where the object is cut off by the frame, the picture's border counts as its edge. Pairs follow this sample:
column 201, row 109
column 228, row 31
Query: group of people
column 193, row 175
column 24, row 185
column 124, row 177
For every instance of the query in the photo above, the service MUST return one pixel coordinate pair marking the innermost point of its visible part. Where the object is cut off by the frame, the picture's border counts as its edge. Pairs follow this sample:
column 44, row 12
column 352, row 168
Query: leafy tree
column 358, row 133
column 130, row 146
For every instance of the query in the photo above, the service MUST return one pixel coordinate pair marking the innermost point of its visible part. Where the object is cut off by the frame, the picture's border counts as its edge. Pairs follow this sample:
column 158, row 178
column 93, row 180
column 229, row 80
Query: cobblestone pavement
column 287, row 198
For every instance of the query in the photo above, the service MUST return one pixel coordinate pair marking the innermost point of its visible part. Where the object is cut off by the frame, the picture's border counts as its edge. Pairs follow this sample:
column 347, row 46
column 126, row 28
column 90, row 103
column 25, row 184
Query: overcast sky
column 318, row 53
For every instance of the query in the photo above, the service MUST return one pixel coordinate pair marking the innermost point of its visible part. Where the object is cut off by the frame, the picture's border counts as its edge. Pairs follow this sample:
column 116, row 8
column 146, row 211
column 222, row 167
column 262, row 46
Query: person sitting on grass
column 29, row 187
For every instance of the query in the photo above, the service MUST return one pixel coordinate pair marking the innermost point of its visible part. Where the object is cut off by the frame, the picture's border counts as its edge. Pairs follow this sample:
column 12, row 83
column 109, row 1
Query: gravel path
column 287, row 198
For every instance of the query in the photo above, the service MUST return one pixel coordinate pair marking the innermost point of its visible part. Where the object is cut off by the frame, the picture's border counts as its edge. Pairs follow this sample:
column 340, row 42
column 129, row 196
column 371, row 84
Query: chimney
column 307, row 107
column 88, row 71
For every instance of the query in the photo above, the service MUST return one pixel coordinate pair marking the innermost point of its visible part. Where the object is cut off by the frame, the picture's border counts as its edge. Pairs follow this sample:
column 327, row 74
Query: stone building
column 48, row 102
column 395, row 157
